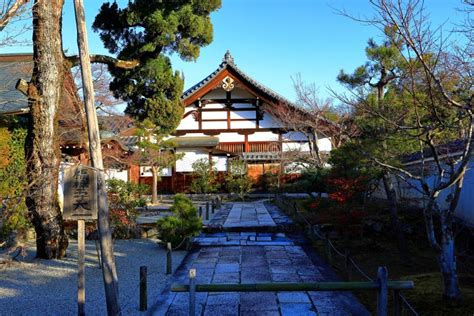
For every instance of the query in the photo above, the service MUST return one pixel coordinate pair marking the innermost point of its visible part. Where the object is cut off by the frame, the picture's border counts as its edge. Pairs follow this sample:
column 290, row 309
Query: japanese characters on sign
column 80, row 193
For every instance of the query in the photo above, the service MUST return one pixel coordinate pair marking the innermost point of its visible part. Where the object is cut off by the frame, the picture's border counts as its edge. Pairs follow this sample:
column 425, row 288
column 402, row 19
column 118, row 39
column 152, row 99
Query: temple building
column 229, row 115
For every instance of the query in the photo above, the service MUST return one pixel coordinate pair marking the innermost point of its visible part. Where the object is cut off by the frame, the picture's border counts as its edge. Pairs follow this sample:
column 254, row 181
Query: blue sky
column 273, row 40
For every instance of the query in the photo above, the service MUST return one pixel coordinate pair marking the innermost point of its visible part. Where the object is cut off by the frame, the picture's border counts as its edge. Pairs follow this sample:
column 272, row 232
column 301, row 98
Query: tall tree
column 369, row 84
column 148, row 31
column 143, row 37
column 155, row 152
column 436, row 87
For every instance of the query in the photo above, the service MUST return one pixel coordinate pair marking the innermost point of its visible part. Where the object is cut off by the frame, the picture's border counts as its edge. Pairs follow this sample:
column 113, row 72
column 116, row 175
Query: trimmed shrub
column 184, row 222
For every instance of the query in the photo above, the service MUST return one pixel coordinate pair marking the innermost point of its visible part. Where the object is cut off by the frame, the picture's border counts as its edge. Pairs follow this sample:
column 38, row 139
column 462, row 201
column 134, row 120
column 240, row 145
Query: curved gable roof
column 228, row 64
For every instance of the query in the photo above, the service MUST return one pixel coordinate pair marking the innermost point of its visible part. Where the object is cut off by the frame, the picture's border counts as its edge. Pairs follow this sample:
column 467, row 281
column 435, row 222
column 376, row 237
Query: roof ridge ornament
column 228, row 57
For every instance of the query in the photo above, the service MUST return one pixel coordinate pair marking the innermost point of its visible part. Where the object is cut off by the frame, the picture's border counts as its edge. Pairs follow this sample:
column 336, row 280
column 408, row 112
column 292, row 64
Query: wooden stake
column 108, row 263
column 192, row 292
column 81, row 276
column 169, row 258
column 143, row 289
column 382, row 295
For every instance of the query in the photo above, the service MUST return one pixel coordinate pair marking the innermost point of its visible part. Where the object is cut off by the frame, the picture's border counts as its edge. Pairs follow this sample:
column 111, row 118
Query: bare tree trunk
column 395, row 222
column 447, row 259
column 154, row 187
column 42, row 146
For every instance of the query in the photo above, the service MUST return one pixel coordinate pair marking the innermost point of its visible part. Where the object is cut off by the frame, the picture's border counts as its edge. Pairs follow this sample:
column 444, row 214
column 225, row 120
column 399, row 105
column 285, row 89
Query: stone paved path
column 248, row 215
column 250, row 257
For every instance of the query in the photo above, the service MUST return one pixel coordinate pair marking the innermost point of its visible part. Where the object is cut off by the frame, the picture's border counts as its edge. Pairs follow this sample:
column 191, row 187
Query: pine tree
column 149, row 31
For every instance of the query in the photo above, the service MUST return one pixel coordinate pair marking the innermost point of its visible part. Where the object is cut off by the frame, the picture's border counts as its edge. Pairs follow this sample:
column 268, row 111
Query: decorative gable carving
column 228, row 84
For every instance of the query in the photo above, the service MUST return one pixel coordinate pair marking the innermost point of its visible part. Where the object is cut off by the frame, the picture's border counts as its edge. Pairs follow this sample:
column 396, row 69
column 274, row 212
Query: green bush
column 124, row 197
column 13, row 211
column 237, row 180
column 184, row 222
column 204, row 177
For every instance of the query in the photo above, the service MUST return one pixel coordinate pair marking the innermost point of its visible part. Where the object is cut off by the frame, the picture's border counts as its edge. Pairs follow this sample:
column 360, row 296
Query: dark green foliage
column 184, row 222
column 13, row 211
column 204, row 177
column 149, row 31
column 237, row 179
column 124, row 197
column 312, row 180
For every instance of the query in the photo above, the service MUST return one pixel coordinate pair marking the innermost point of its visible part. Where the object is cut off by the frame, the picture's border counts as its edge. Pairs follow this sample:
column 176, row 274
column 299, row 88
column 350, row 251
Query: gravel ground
column 49, row 287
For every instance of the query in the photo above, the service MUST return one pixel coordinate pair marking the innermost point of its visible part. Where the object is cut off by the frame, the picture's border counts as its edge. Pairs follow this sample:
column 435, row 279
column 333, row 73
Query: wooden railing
column 253, row 147
column 382, row 285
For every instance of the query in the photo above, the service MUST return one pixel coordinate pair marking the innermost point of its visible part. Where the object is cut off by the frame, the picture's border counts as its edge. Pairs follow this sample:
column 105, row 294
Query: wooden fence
column 401, row 304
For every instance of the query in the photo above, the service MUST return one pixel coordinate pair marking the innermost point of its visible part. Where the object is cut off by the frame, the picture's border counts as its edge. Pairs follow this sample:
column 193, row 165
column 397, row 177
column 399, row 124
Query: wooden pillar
column 199, row 114
column 246, row 144
column 109, row 271
column 280, row 172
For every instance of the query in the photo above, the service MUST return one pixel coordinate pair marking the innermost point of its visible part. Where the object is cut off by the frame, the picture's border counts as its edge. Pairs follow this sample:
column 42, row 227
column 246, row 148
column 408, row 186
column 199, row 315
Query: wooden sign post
column 109, row 272
column 80, row 203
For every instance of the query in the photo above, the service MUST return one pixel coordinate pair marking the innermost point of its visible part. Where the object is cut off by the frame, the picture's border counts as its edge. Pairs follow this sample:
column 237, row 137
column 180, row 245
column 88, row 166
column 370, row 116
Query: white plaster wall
column 231, row 137
column 220, row 163
column 145, row 171
column 324, row 144
column 243, row 115
column 296, row 147
column 263, row 137
column 214, row 125
column 214, row 115
column 241, row 94
column 243, row 105
column 294, row 136
column 243, row 124
column 465, row 208
column 269, row 121
column 190, row 156
column 116, row 174
column 215, row 94
column 188, row 123
column 214, row 106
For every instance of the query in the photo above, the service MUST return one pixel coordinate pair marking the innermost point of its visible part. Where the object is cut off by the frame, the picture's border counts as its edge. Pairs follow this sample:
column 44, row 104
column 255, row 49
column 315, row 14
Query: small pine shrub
column 184, row 222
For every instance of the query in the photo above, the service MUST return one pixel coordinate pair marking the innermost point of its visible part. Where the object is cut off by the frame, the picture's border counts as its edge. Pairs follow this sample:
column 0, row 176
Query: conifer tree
column 148, row 31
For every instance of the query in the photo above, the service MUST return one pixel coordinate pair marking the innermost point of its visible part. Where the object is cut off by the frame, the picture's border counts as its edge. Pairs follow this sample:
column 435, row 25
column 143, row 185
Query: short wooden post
column 192, row 292
column 97, row 250
column 81, row 276
column 207, row 211
column 347, row 259
column 328, row 249
column 169, row 259
column 382, row 294
column 200, row 211
column 143, row 290
column 397, row 304
column 213, row 206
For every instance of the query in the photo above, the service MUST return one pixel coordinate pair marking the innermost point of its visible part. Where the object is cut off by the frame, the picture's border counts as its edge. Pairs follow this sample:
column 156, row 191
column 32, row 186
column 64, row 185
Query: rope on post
column 192, row 292
column 347, row 262
column 382, row 295
column 328, row 249
column 397, row 306
column 143, row 289
column 169, row 259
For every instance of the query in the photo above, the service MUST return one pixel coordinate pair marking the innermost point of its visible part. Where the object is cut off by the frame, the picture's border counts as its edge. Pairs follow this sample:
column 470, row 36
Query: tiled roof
column 452, row 148
column 13, row 101
column 228, row 63
column 115, row 123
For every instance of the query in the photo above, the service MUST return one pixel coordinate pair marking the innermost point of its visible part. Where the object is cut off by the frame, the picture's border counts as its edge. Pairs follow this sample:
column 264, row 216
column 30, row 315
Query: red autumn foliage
column 345, row 189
